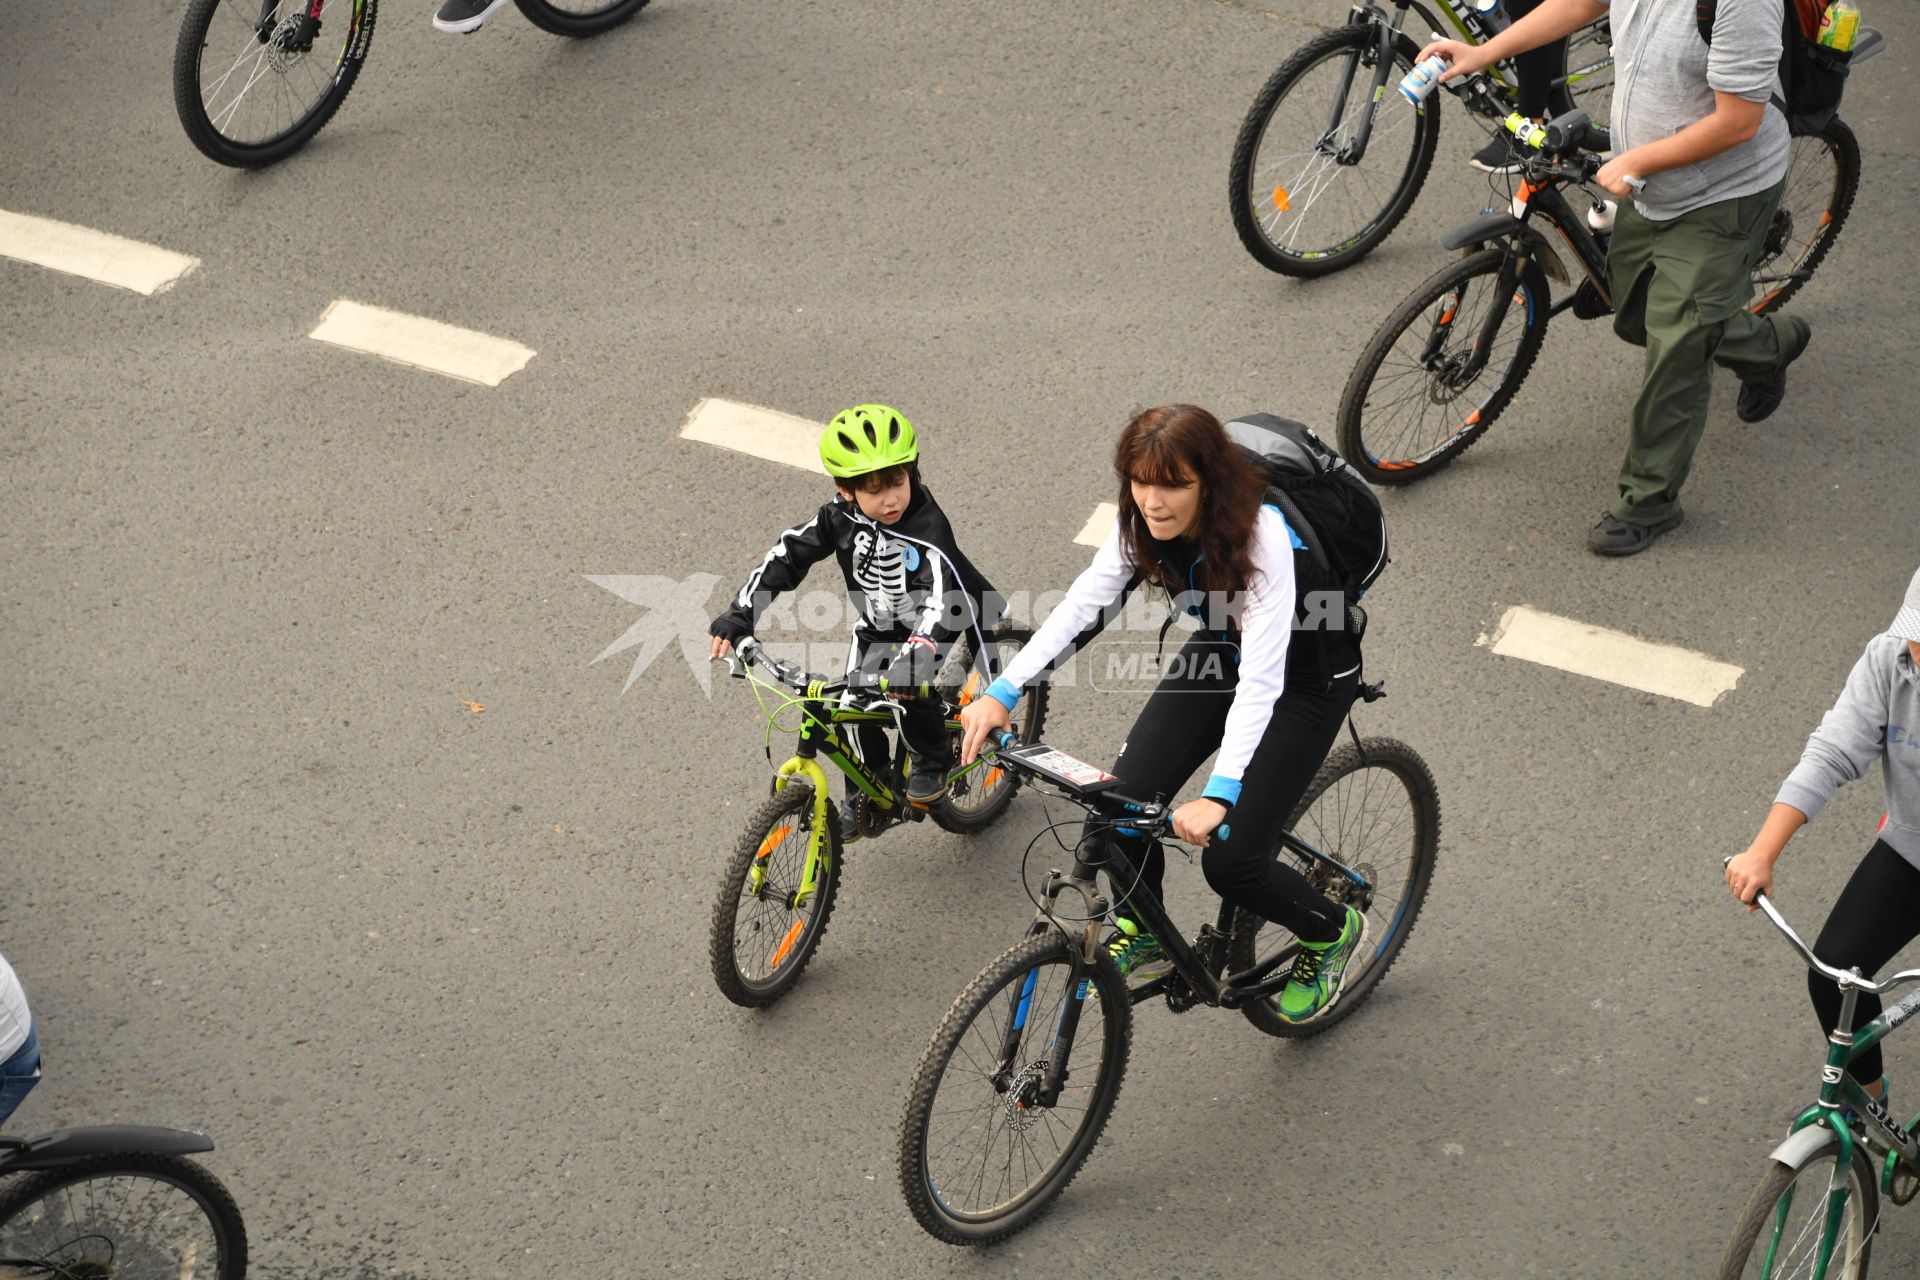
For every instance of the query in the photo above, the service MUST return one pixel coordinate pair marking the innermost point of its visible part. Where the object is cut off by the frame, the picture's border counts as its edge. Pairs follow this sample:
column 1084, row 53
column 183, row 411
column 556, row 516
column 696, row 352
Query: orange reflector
column 1473, row 418
column 786, row 944
column 993, row 776
column 1826, row 216
column 773, row 840
column 971, row 689
column 1281, row 200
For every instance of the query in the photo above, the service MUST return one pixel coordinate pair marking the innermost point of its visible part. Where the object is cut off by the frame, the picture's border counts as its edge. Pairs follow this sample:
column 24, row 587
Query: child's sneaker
column 461, row 17
column 1137, row 954
column 927, row 787
column 1314, row 984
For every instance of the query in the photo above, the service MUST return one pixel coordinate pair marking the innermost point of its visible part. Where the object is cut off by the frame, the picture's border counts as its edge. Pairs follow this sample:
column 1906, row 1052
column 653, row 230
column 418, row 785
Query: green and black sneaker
column 1314, row 984
column 1138, row 954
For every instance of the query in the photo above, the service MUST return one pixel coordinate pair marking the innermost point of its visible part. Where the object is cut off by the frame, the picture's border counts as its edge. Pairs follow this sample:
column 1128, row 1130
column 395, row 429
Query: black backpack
column 1812, row 76
column 1335, row 512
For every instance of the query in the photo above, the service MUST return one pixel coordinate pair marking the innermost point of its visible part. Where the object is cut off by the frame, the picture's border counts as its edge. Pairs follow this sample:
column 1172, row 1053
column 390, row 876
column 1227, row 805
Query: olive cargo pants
column 1681, row 290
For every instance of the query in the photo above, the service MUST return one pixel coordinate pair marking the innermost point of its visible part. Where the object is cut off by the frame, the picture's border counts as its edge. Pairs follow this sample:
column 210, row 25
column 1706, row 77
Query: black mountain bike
column 116, row 1202
column 253, row 80
column 1330, row 156
column 1450, row 358
column 1013, row 1090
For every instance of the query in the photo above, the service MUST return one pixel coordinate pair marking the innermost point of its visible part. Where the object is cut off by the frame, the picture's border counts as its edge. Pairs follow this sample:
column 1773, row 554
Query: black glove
column 730, row 626
column 916, row 663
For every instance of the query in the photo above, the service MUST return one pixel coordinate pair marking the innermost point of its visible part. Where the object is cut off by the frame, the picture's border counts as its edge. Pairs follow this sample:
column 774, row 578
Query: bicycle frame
column 1198, row 965
column 1838, row 1089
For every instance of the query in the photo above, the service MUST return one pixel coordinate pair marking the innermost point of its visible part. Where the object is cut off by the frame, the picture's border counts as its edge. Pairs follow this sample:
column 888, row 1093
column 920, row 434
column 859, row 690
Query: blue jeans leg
column 20, row 1073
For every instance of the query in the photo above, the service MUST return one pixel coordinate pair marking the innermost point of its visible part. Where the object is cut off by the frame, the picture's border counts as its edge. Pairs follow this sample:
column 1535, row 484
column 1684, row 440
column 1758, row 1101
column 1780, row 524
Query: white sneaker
column 460, row 17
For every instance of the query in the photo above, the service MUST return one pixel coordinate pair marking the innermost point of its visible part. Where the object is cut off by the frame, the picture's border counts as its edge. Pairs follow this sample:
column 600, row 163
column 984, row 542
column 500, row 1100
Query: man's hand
column 1466, row 58
column 1615, row 173
column 1195, row 820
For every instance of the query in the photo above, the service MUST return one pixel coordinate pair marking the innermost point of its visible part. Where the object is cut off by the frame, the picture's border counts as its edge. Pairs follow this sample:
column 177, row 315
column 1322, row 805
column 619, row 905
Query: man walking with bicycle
column 1704, row 160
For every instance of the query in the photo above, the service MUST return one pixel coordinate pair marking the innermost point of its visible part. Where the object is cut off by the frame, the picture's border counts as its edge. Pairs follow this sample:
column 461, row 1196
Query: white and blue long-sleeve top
column 1263, row 631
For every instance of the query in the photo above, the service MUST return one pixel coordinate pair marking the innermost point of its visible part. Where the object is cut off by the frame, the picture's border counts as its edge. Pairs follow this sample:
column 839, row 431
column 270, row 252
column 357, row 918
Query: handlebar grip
column 1003, row 738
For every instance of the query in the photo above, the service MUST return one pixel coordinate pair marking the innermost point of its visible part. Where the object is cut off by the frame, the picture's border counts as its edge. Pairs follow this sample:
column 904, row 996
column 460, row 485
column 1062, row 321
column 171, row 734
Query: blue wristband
column 1226, row 790
column 1004, row 694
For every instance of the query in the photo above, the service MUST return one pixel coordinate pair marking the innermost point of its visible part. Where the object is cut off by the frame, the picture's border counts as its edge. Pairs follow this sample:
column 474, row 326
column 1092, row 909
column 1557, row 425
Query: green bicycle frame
column 1839, row 1089
column 820, row 735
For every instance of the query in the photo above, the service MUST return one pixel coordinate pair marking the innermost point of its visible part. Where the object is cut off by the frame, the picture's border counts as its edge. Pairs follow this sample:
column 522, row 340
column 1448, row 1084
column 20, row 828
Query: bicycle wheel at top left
column 253, row 80
column 768, row 919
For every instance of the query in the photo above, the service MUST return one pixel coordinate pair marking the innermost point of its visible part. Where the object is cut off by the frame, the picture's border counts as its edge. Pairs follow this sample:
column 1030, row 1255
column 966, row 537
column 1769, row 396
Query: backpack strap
column 1703, row 11
column 1703, row 15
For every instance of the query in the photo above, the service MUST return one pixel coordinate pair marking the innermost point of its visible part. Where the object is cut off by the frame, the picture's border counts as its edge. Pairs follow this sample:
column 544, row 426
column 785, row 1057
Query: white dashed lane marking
column 1614, row 656
column 1099, row 524
column 96, row 255
column 748, row 428
column 421, row 343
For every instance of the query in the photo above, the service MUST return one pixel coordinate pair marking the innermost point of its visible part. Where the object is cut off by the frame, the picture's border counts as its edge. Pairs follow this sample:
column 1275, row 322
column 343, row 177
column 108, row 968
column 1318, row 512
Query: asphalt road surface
column 435, row 977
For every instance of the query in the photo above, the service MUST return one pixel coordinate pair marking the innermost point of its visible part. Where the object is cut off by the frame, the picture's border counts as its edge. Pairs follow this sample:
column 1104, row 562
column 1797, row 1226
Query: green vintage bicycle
column 1330, row 156
column 784, row 875
column 1815, row 1212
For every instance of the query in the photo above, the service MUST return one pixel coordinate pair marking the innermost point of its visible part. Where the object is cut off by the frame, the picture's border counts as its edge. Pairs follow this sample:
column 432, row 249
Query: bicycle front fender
column 1803, row 1145
column 68, row 1146
column 1494, row 227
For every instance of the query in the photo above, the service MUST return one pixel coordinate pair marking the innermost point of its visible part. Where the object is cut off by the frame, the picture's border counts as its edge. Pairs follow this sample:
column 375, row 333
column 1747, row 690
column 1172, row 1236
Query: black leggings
column 1536, row 68
column 1878, row 913
column 1181, row 726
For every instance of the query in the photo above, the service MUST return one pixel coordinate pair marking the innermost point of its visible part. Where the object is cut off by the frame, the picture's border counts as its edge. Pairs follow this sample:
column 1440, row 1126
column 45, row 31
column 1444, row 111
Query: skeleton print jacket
column 908, row 579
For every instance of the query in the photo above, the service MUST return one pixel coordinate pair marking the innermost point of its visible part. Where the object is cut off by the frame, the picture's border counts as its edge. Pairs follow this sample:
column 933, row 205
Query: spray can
column 1420, row 81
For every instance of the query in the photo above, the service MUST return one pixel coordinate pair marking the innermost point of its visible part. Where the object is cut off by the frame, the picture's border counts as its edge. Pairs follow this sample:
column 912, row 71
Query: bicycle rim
column 1815, row 198
column 1377, row 813
column 988, row 787
column 773, row 926
column 1419, row 408
column 145, row 1220
column 1589, row 76
column 1307, row 205
column 980, row 1155
column 255, row 89
column 1780, row 1235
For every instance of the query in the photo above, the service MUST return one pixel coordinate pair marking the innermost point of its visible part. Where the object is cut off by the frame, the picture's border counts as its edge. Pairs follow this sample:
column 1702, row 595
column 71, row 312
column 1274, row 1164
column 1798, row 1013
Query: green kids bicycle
column 784, row 874
column 1815, row 1212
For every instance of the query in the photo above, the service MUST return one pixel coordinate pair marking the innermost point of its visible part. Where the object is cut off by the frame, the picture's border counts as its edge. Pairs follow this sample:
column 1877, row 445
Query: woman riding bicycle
column 1268, row 698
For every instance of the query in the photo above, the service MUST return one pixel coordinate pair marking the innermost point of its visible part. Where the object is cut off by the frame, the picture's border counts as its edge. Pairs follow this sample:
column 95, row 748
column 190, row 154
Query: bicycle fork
column 1039, row 1082
column 1384, row 33
column 1434, row 359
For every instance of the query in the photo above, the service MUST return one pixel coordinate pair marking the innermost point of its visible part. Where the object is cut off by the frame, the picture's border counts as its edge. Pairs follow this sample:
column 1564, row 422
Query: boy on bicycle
column 916, row 593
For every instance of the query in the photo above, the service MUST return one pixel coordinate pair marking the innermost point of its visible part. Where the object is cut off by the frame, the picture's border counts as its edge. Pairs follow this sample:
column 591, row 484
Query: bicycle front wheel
column 977, row 798
column 579, row 17
column 132, row 1216
column 1780, row 1233
column 1432, row 380
column 1823, row 176
column 768, row 919
column 1374, row 809
column 253, row 80
column 1303, row 204
column 981, row 1154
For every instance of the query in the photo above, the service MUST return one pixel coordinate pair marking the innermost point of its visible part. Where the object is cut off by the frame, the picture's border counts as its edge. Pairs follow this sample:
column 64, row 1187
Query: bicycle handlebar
column 1844, row 977
column 749, row 652
column 1154, row 818
column 1558, row 141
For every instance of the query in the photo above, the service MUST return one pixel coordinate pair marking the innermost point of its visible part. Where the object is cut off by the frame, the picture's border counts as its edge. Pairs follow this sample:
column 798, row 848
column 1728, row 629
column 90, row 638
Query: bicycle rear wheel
column 253, row 80
column 1415, row 401
column 131, row 1216
column 765, row 925
column 1779, row 1232
column 1377, row 811
column 976, row 799
column 1823, row 176
column 980, row 1156
column 1299, row 208
column 579, row 17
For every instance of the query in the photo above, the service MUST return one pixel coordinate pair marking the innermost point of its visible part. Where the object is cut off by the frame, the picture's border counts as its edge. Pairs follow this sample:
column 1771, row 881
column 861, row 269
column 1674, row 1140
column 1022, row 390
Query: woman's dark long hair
column 1171, row 445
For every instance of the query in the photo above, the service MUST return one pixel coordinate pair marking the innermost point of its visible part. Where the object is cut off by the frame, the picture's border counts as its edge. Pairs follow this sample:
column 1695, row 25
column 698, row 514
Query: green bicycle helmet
column 867, row 437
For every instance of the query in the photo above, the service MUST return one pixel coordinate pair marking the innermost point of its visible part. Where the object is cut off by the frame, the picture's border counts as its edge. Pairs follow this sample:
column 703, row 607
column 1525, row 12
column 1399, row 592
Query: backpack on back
column 1812, row 76
column 1334, row 511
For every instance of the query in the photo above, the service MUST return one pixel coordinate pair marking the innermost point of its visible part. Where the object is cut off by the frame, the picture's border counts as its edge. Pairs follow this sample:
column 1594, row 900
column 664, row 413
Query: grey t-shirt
column 1665, row 77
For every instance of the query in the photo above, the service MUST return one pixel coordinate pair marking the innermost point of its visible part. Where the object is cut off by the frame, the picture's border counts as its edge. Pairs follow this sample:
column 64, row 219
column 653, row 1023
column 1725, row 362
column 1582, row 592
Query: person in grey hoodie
column 1876, row 718
column 1705, row 159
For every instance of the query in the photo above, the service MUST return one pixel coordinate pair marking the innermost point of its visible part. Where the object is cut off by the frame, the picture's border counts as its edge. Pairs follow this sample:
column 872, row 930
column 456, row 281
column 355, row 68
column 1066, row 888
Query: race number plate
column 1076, row 775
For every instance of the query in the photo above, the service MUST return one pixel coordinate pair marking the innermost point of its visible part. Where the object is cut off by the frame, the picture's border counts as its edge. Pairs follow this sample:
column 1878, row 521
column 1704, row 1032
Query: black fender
column 69, row 1146
column 1504, row 226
